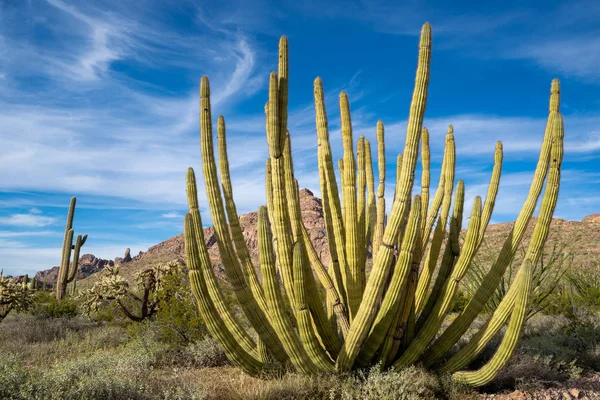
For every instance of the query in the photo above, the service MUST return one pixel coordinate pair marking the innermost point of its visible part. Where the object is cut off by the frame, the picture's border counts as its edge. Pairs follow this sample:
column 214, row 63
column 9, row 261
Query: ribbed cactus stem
column 380, row 224
column 355, row 278
column 281, row 321
column 533, row 255
column 451, row 252
column 305, row 326
column 204, row 266
column 232, row 215
column 391, row 300
column 244, row 295
column 333, row 209
column 453, row 333
column 248, row 362
column 425, row 178
column 371, row 219
column 438, row 234
column 433, row 320
column 486, row 373
column 361, row 324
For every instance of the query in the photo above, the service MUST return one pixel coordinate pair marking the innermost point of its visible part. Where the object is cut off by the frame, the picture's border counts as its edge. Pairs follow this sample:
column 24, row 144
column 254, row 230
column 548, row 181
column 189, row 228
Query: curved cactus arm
column 210, row 280
column 361, row 324
column 453, row 333
column 435, row 318
column 355, row 274
column 73, row 270
column 380, row 223
column 371, row 203
column 322, row 324
column 425, row 178
column 451, row 253
column 248, row 303
column 214, row 323
column 399, row 160
column 490, row 198
column 329, row 189
column 305, row 324
column 391, row 300
column 486, row 373
column 361, row 209
column 277, row 309
column 449, row 165
column 434, row 209
column 533, row 254
column 234, row 222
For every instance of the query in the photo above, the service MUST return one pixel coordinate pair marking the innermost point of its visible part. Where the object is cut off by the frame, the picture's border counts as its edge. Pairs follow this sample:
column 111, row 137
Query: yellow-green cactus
column 345, row 318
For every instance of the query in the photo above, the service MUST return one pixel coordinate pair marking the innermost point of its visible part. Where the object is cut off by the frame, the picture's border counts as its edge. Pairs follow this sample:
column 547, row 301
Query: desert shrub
column 207, row 353
column 577, row 297
column 13, row 377
column 407, row 384
column 177, row 320
column 547, row 275
column 45, row 305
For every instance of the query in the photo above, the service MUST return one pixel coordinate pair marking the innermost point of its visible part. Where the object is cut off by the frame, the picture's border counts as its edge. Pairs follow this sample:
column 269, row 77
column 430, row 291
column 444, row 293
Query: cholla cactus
column 13, row 296
column 144, row 291
column 394, row 314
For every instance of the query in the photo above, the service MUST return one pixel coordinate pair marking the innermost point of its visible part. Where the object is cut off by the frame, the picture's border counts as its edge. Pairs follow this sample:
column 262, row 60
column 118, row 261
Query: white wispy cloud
column 27, row 220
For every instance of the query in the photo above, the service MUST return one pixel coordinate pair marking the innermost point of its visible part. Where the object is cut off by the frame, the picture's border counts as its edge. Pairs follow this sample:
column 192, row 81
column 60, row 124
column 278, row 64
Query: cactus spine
column 67, row 272
column 394, row 314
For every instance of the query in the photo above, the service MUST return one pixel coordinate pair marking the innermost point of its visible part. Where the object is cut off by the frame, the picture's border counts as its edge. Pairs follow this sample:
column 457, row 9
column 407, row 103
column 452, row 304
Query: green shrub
column 207, row 353
column 407, row 384
column 45, row 305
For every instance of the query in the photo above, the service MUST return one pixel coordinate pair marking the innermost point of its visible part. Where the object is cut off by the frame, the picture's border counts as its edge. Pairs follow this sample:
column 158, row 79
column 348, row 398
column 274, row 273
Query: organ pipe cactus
column 393, row 314
column 67, row 272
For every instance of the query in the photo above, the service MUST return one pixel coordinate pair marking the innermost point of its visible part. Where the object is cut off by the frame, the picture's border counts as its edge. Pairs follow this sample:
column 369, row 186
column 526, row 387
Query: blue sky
column 99, row 100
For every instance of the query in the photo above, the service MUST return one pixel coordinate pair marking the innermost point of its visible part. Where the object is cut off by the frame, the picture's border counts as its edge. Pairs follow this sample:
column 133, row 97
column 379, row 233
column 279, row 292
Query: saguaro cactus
column 393, row 314
column 68, row 271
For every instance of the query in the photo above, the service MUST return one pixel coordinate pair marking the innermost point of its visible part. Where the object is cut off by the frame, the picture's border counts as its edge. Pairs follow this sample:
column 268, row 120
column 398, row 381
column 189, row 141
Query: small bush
column 407, row 384
column 207, row 353
column 45, row 305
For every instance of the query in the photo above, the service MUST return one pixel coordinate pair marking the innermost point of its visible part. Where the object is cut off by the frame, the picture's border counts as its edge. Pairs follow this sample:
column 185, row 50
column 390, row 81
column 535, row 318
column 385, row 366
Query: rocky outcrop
column 88, row 265
column 592, row 219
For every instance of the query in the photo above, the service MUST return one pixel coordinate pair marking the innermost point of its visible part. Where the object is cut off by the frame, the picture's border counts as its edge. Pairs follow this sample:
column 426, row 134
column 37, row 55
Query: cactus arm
column 371, row 203
column 449, row 165
column 391, row 300
column 281, row 321
column 73, row 270
column 451, row 253
column 209, row 278
column 490, row 198
column 533, row 254
column 248, row 303
column 355, row 273
column 380, row 223
column 248, row 362
column 329, row 191
column 234, row 222
column 453, row 333
column 361, row 209
column 305, row 326
column 435, row 318
column 425, row 178
column 486, row 373
column 361, row 324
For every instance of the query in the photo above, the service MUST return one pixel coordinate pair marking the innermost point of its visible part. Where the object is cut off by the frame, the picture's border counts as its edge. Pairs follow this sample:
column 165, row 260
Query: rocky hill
column 581, row 238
